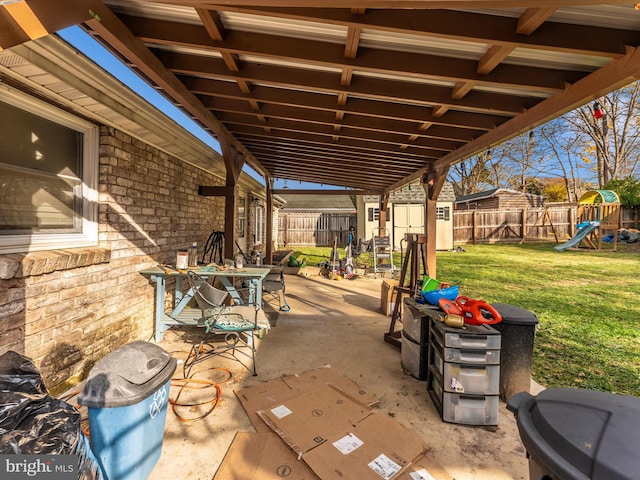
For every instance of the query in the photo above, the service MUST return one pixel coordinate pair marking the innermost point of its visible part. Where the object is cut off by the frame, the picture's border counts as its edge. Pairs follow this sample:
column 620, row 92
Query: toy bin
column 126, row 394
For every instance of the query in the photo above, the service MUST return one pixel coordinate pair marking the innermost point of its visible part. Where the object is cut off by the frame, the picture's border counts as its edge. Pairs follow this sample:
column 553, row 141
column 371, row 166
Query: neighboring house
column 499, row 199
column 308, row 219
column 406, row 215
column 95, row 185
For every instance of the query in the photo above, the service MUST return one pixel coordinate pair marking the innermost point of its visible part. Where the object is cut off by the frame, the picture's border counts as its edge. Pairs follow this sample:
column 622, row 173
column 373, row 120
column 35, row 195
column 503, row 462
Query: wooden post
column 474, row 221
column 523, row 230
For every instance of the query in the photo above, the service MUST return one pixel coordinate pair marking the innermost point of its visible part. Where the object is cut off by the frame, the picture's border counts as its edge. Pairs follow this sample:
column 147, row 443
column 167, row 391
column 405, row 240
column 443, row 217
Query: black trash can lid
column 515, row 315
column 580, row 434
column 127, row 375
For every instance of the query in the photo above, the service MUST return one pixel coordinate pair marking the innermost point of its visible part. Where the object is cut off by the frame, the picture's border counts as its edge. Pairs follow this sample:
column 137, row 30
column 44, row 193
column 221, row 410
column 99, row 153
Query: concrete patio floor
column 337, row 323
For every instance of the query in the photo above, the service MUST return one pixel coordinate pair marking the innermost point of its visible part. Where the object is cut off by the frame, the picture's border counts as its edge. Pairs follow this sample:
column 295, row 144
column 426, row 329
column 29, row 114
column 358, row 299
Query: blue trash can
column 126, row 394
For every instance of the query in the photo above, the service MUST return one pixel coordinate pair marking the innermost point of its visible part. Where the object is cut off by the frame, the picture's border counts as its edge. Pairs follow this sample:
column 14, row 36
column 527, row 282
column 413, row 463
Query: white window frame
column 242, row 217
column 259, row 224
column 88, row 236
column 443, row 214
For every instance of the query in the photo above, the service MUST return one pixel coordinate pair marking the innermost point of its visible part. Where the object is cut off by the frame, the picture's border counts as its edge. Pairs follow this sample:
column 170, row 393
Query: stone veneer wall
column 66, row 309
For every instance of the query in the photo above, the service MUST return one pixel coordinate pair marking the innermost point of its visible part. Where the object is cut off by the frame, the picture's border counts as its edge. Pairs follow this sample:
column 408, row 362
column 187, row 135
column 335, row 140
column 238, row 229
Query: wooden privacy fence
column 315, row 229
column 492, row 226
column 480, row 226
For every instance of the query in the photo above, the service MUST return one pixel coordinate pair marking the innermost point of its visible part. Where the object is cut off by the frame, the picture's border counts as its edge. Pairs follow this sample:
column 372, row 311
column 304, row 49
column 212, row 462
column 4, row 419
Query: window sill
column 39, row 263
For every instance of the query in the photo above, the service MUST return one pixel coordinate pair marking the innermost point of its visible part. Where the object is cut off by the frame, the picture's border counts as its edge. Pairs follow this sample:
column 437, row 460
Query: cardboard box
column 386, row 295
column 425, row 468
column 338, row 437
column 266, row 395
column 376, row 447
column 314, row 417
column 261, row 456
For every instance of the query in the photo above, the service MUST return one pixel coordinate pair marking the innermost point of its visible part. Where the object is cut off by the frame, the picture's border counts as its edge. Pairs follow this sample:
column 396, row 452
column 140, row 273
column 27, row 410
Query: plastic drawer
column 470, row 409
column 414, row 357
column 473, row 337
column 437, row 361
column 471, row 379
column 465, row 340
column 416, row 318
column 472, row 356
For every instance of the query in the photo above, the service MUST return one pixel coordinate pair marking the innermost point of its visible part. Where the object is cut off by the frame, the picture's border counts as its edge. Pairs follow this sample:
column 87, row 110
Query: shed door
column 407, row 218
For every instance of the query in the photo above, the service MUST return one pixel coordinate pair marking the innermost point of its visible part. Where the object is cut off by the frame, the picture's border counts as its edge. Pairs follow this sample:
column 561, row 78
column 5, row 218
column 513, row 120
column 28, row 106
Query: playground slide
column 577, row 238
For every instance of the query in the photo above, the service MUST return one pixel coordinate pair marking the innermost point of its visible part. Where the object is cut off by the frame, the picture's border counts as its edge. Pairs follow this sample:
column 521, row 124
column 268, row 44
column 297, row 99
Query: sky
column 96, row 52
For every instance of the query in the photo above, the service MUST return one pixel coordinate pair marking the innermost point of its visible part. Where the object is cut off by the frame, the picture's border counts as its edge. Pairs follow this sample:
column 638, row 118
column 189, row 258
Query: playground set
column 598, row 219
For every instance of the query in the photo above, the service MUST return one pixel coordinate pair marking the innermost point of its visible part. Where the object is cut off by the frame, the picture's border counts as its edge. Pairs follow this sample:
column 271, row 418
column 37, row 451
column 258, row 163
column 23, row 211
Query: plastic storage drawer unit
column 464, row 373
column 127, row 393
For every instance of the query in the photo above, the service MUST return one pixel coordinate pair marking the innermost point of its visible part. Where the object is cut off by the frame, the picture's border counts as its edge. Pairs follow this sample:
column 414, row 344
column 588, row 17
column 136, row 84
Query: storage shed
column 498, row 199
column 406, row 215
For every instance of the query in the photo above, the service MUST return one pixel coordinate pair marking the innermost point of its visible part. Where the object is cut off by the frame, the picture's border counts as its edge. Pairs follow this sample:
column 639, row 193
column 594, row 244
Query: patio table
column 181, row 314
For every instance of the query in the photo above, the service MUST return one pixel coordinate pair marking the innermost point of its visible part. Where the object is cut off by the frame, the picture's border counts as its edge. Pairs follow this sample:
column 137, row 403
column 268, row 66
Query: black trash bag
column 34, row 422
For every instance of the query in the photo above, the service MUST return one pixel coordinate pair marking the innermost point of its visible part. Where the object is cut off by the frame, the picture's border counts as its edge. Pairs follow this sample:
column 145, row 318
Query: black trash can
column 517, row 329
column 573, row 434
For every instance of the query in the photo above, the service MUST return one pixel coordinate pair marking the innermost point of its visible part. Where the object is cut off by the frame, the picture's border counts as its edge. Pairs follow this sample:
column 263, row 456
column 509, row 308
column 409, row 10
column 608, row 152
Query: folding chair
column 274, row 286
column 235, row 322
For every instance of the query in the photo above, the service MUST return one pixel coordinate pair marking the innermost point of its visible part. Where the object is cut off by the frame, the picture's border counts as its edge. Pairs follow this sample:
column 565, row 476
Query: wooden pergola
column 366, row 94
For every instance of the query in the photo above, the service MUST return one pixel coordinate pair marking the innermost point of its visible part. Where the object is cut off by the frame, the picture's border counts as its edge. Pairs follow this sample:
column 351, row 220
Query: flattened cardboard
column 310, row 419
column 266, row 395
column 425, row 468
column 261, row 456
column 376, row 448
column 327, row 374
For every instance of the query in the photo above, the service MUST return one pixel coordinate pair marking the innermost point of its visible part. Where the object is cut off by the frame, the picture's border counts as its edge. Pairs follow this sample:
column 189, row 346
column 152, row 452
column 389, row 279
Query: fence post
column 474, row 221
column 523, row 230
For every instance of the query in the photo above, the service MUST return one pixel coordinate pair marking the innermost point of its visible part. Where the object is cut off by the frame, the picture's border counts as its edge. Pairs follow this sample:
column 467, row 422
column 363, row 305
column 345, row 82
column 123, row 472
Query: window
column 241, row 216
column 373, row 214
column 259, row 224
column 443, row 213
column 48, row 176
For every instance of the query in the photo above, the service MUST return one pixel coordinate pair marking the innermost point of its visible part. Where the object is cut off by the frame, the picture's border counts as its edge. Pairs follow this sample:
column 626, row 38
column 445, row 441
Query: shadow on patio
column 335, row 323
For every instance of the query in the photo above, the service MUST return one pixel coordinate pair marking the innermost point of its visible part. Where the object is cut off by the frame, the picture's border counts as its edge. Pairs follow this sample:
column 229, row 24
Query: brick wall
column 66, row 309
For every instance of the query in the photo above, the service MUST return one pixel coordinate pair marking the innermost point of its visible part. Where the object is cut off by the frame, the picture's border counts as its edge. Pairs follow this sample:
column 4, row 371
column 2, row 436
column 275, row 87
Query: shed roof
column 474, row 197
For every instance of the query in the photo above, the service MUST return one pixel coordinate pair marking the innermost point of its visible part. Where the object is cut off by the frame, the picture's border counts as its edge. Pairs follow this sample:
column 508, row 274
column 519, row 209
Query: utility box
column 126, row 394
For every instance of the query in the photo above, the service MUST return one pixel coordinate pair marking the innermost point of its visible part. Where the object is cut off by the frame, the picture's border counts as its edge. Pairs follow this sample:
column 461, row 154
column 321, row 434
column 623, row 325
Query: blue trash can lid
column 515, row 315
column 127, row 375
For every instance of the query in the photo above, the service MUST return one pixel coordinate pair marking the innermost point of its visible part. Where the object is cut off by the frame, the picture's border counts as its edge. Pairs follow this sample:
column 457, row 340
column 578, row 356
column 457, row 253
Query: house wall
column 66, row 309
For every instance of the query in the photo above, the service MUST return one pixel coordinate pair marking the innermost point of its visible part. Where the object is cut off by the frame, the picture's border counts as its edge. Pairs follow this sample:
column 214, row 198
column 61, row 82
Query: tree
column 612, row 136
column 555, row 192
column 564, row 154
column 628, row 189
column 472, row 175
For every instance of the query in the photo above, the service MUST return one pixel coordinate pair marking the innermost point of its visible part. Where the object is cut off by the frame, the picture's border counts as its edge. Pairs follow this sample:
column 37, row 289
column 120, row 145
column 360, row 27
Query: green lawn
column 588, row 304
